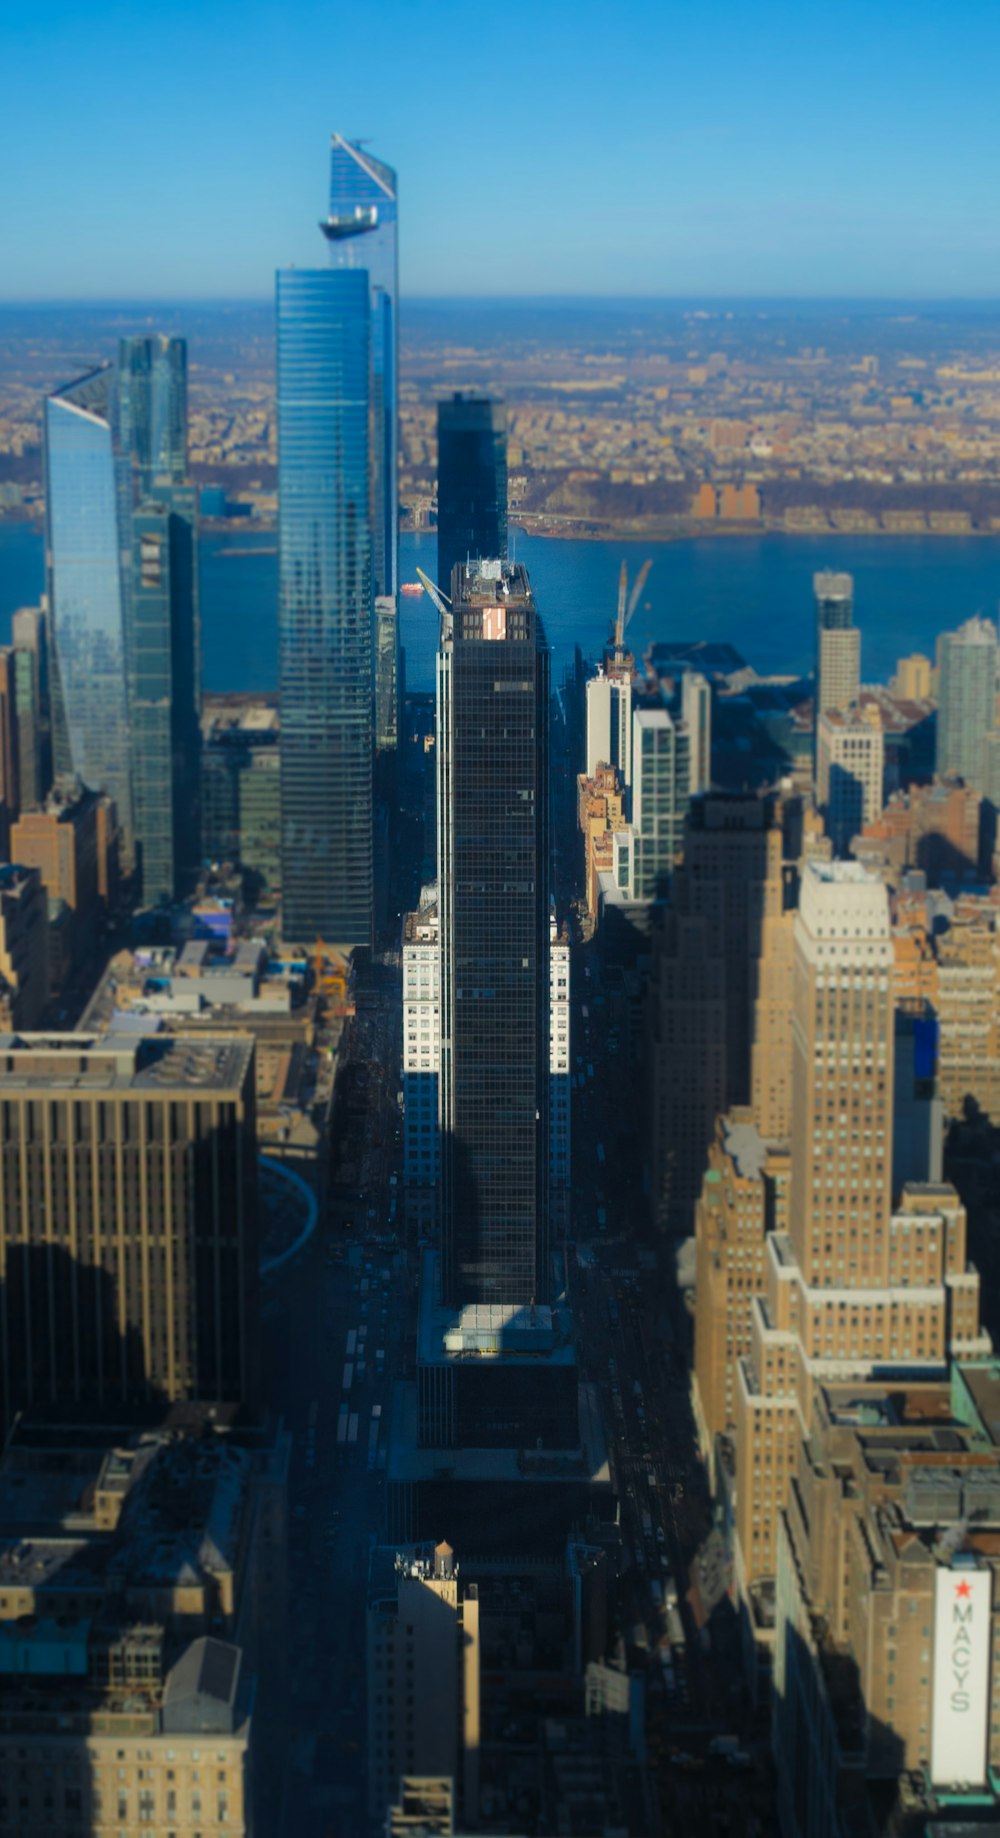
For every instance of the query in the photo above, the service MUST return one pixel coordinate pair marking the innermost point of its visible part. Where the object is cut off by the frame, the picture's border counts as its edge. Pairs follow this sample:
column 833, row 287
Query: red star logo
column 962, row 1589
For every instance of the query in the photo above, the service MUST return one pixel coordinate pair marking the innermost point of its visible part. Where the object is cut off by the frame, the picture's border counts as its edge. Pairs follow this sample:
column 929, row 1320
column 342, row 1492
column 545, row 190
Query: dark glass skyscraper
column 472, row 482
column 325, row 604
column 493, row 855
column 164, row 693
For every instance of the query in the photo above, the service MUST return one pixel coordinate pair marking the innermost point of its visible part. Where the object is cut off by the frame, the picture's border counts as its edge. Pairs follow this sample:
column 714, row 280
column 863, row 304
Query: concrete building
column 128, row 1219
column 936, row 829
column 24, row 947
column 696, row 713
column 601, row 812
column 423, row 1676
column 719, row 997
column 887, row 1557
column 144, row 1603
column 856, row 1285
column 912, row 681
column 967, row 699
column 850, row 771
column 422, row 1061
column 838, row 642
column 72, row 842
column 609, row 720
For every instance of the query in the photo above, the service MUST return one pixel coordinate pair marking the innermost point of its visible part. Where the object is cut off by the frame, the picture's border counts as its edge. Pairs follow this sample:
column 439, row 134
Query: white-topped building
column 421, row 1059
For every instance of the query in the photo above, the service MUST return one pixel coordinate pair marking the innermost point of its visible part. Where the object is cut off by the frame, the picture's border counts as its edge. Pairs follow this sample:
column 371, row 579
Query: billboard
column 962, row 1615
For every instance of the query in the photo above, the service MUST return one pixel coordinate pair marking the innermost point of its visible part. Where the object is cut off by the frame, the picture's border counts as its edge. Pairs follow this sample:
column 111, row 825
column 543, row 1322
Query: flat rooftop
column 506, row 1331
column 80, row 1062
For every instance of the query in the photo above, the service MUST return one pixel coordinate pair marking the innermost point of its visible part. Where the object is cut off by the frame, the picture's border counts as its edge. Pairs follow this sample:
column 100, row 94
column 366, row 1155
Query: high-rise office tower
column 850, row 771
column 164, row 680
column 361, row 229
column 325, row 604
column 152, row 408
column 855, row 1285
column 967, row 699
column 493, row 855
column 136, row 1276
column 719, row 1000
column 87, row 590
column 30, row 633
column 838, row 642
column 472, row 483
column 362, row 234
column 123, row 593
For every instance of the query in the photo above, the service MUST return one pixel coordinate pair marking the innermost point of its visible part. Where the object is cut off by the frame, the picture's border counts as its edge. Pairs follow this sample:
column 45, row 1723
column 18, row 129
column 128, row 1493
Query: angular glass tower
column 152, row 406
column 493, row 870
column 325, row 604
column 361, row 231
column 472, row 482
column 85, row 540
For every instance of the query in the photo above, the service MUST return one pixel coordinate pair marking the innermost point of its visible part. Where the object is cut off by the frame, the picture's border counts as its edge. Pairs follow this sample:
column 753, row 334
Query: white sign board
column 962, row 1616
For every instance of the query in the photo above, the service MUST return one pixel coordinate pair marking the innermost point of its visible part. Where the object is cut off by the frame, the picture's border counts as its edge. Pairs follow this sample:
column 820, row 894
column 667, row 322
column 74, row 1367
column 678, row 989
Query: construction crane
column 627, row 603
column 331, row 980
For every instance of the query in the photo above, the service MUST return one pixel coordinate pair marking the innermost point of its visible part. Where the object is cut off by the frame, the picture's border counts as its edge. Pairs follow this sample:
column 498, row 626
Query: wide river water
column 754, row 591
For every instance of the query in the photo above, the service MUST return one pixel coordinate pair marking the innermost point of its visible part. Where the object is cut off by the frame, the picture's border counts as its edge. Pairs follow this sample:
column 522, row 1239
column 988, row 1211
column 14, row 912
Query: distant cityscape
column 499, row 1213
column 657, row 420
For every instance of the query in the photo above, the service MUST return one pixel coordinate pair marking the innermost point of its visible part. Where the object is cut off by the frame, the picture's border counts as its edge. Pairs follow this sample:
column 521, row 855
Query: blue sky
column 718, row 147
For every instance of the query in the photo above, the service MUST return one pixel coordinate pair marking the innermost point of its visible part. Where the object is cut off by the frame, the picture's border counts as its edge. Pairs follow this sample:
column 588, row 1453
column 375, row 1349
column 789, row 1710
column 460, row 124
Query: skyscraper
column 493, row 857
column 838, row 642
column 164, row 681
column 137, row 1277
column 361, row 231
column 472, row 483
column 152, row 407
column 123, row 592
column 967, row 699
column 850, row 771
column 325, row 604
column 84, row 542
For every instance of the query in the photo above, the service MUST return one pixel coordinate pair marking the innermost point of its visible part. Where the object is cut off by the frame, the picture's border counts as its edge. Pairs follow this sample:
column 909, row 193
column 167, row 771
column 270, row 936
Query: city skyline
column 680, row 175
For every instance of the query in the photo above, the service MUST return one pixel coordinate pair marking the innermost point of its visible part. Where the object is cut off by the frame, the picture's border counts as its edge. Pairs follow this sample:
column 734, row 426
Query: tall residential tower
column 472, row 483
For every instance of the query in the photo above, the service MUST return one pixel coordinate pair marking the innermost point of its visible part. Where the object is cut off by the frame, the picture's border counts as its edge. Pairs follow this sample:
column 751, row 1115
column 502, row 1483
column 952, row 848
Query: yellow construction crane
column 627, row 603
column 330, row 978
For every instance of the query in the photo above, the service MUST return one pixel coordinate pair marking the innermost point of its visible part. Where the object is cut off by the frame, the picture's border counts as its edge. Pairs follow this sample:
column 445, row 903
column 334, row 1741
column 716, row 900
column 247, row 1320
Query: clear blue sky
column 543, row 146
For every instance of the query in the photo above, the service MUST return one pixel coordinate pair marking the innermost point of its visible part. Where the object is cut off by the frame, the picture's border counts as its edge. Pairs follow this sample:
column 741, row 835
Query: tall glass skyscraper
column 325, row 604
column 361, row 231
column 493, row 869
column 472, row 482
column 87, row 590
column 967, row 699
column 152, row 406
column 123, row 586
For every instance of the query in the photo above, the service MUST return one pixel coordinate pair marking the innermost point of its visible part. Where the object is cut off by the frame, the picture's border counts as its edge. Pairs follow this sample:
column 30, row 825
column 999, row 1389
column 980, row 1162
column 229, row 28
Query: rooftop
column 80, row 1062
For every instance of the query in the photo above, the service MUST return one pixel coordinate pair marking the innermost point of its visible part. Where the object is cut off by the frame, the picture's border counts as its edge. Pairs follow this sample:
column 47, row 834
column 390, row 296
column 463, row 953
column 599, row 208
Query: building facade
column 422, row 1061
column 850, row 771
column 838, row 642
column 967, row 700
column 325, row 605
column 86, row 536
column 472, row 483
column 493, row 854
column 136, row 1277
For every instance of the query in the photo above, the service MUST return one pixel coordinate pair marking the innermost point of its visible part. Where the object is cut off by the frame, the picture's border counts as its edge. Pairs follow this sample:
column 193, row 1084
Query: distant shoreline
column 587, row 532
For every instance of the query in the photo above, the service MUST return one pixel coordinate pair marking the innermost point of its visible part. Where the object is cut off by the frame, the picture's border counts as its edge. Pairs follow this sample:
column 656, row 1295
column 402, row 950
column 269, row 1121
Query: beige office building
column 423, row 1676
column 850, row 771
column 128, row 1219
column 854, row 1284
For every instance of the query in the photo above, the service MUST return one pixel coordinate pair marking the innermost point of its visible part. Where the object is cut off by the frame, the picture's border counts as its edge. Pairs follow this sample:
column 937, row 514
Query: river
column 754, row 591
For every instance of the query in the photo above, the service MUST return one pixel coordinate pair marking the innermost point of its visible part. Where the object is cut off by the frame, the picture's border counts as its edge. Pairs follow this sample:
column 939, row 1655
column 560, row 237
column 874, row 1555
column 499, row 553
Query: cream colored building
column 850, row 771
column 142, row 1594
